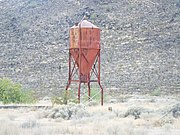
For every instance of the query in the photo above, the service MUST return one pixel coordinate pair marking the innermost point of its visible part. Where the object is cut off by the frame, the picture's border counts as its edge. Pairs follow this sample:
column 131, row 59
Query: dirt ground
column 125, row 115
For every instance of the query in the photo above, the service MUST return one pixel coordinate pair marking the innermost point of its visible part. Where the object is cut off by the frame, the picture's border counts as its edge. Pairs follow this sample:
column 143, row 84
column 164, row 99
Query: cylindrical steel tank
column 90, row 35
column 84, row 46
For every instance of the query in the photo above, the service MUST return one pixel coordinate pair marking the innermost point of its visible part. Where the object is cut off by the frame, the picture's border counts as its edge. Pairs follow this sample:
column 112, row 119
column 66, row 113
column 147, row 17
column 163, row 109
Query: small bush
column 30, row 124
column 134, row 111
column 70, row 97
column 67, row 112
column 64, row 98
column 57, row 100
column 156, row 92
column 176, row 111
column 13, row 93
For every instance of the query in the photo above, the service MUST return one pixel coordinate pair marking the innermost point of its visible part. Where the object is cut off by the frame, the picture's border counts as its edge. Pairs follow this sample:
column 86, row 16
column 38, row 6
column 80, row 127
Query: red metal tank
column 84, row 47
column 84, row 57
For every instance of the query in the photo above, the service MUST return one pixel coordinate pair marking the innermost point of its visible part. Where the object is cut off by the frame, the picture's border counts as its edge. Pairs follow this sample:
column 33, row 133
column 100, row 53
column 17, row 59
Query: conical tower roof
column 85, row 24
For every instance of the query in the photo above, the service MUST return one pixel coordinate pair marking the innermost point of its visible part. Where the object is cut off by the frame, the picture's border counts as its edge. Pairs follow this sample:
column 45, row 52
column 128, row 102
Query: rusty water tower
column 84, row 57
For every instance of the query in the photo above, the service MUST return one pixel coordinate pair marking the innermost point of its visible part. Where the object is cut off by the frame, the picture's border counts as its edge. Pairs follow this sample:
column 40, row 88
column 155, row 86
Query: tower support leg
column 102, row 91
column 79, row 92
column 89, row 91
column 102, row 94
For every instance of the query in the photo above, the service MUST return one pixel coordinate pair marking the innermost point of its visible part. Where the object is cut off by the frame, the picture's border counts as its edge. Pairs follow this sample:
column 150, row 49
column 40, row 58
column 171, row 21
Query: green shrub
column 95, row 95
column 11, row 92
column 70, row 97
column 57, row 100
column 156, row 92
column 64, row 98
column 27, row 97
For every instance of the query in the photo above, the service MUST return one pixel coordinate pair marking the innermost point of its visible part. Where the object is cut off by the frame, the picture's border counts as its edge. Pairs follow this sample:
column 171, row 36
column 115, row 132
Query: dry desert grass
column 137, row 115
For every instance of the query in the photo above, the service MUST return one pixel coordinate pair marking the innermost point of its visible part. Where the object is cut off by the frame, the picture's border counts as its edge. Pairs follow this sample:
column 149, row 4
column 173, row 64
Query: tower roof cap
column 85, row 24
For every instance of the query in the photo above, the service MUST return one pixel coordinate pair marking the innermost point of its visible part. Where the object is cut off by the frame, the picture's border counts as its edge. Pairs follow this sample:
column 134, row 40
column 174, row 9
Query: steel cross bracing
column 95, row 70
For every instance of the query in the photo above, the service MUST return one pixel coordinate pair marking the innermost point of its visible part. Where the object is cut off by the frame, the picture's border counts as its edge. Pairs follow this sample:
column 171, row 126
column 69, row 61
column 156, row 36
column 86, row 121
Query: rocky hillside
column 139, row 38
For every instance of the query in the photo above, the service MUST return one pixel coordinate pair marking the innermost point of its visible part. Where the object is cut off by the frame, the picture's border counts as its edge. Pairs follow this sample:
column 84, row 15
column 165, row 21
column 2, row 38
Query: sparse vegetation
column 67, row 112
column 156, row 92
column 64, row 98
column 11, row 92
column 70, row 97
column 95, row 95
column 136, row 112
column 77, row 119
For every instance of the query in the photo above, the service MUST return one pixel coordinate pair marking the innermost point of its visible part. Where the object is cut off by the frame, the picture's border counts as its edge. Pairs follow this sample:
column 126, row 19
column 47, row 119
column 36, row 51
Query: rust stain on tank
column 86, row 37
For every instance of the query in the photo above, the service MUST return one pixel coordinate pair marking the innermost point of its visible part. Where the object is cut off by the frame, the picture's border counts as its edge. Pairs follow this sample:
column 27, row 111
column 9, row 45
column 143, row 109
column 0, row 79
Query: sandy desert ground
column 130, row 115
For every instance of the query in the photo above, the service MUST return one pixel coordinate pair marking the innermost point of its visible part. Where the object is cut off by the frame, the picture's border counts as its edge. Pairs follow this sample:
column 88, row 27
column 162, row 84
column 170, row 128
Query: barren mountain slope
column 139, row 39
